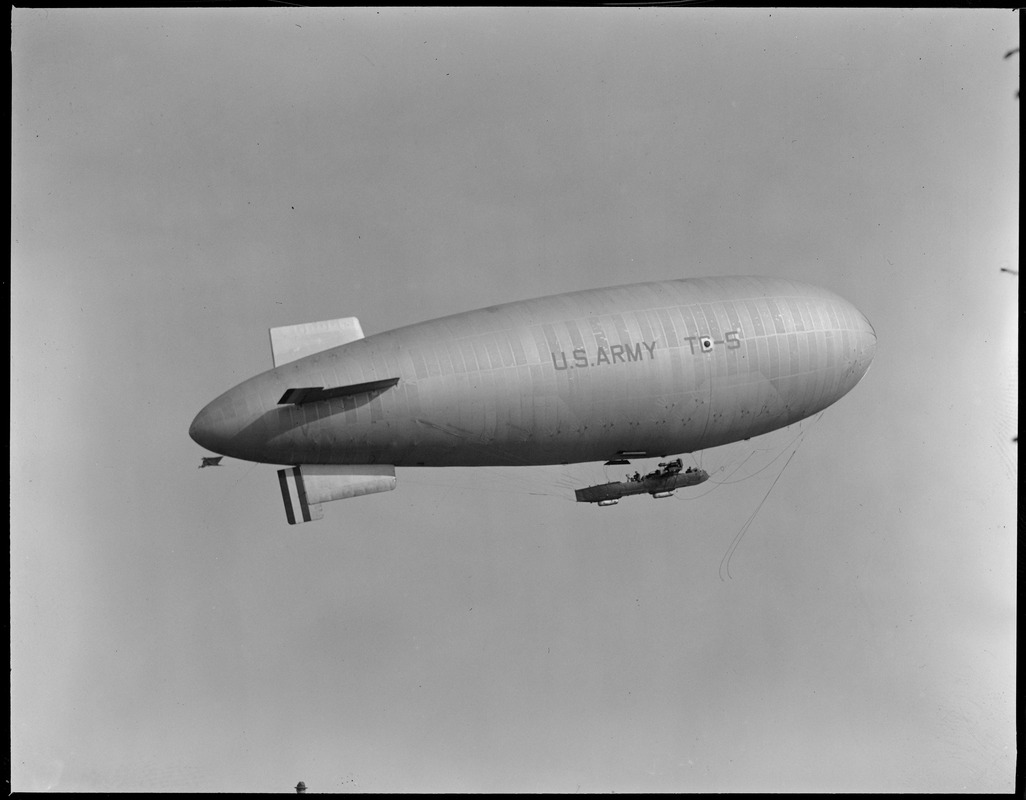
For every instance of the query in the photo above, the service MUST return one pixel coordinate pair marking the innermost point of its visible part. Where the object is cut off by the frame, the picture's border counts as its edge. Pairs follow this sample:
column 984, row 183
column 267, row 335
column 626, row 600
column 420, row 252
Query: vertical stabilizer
column 293, row 493
column 305, row 487
column 291, row 342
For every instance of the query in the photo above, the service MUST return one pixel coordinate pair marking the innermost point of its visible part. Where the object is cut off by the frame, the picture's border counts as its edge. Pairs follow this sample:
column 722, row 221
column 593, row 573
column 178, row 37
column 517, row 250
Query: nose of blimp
column 860, row 344
column 865, row 343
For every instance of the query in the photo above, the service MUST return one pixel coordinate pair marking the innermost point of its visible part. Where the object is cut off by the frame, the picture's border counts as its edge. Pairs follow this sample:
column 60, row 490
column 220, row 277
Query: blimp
column 615, row 374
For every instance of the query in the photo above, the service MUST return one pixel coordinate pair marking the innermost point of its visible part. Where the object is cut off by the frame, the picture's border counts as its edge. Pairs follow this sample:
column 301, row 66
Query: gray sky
column 185, row 179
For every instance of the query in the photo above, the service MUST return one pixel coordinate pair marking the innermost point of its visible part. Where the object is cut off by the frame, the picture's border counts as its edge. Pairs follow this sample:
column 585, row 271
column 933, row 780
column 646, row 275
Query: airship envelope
column 637, row 371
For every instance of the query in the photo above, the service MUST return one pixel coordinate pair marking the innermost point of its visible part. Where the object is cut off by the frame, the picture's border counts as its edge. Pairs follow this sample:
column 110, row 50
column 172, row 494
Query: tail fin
column 291, row 342
column 293, row 493
column 305, row 487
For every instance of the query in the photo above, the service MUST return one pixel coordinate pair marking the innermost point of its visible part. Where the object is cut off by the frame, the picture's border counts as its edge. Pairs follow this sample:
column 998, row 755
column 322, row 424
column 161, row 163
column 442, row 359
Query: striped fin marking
column 293, row 494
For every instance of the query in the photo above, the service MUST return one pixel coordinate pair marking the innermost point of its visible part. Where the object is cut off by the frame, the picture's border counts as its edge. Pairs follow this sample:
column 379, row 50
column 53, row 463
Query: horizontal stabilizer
column 292, row 342
column 304, row 488
column 313, row 394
